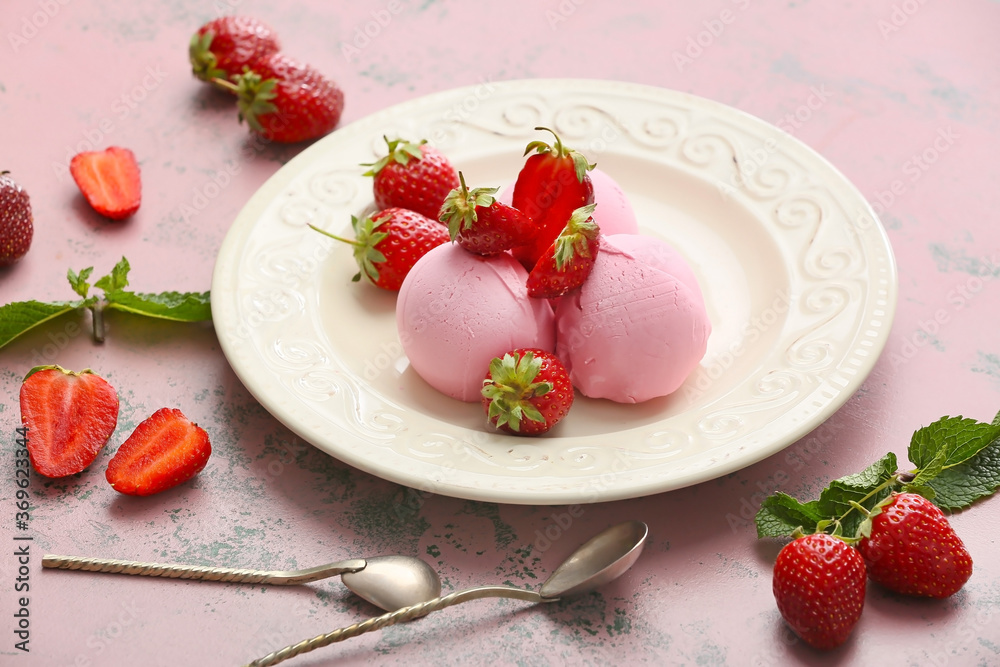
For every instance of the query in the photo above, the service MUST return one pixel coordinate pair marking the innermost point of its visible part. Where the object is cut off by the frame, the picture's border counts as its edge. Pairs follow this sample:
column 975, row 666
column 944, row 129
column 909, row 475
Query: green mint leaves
column 19, row 317
column 957, row 462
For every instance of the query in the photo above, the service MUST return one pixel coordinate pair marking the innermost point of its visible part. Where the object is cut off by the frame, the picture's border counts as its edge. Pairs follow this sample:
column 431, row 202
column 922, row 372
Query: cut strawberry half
column 69, row 416
column 165, row 450
column 109, row 180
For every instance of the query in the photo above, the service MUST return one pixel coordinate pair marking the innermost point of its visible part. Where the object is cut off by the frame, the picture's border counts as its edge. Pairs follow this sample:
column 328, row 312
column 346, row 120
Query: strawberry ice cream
column 457, row 310
column 614, row 214
column 637, row 327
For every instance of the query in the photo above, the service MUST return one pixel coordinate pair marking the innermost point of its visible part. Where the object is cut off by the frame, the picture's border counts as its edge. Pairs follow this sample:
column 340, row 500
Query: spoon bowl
column 394, row 582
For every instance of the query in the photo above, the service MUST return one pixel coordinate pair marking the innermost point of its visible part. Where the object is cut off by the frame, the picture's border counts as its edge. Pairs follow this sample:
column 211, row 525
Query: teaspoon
column 602, row 559
column 388, row 582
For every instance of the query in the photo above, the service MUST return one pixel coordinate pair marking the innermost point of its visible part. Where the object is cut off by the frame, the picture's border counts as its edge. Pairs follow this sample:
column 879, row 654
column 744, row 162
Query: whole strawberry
column 551, row 185
column 526, row 392
column 387, row 244
column 567, row 262
column 220, row 49
column 414, row 176
column 819, row 585
column 69, row 416
column 912, row 549
column 16, row 222
column 287, row 101
column 481, row 224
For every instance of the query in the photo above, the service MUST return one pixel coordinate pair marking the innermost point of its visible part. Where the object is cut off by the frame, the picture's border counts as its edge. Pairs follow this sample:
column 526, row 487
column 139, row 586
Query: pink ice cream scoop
column 637, row 327
column 456, row 311
column 614, row 213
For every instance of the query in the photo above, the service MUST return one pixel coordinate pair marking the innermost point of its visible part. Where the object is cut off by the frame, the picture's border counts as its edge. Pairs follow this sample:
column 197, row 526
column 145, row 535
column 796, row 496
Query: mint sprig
column 957, row 462
column 21, row 316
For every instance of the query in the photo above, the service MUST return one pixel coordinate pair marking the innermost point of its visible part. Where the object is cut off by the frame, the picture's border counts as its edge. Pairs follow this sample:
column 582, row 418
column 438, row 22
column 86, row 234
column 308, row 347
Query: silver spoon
column 388, row 582
column 601, row 559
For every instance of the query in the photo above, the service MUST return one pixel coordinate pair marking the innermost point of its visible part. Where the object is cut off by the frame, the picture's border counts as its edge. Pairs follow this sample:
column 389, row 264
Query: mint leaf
column 79, row 281
column 20, row 316
column 959, row 437
column 958, row 487
column 866, row 488
column 780, row 514
column 117, row 280
column 929, row 472
column 178, row 306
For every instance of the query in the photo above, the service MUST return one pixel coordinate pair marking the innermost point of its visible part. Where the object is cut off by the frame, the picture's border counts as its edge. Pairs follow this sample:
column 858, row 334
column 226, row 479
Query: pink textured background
column 890, row 76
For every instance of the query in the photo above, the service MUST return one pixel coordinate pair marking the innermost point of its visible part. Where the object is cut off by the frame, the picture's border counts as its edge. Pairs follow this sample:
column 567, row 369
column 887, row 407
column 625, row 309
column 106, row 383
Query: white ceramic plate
column 797, row 272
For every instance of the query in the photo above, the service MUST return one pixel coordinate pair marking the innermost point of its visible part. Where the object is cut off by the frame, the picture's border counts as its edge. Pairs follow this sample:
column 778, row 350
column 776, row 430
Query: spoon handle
column 391, row 618
column 201, row 573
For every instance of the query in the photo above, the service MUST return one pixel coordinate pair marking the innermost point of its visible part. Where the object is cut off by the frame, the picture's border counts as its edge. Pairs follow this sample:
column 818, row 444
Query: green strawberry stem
column 510, row 388
column 559, row 151
column 573, row 239
column 459, row 208
column 366, row 254
column 401, row 152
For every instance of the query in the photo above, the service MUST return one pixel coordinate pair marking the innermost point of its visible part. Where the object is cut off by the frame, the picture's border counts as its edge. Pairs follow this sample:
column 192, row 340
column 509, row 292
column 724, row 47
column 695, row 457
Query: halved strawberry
column 109, row 180
column 412, row 175
column 165, row 450
column 481, row 224
column 527, row 392
column 550, row 186
column 389, row 243
column 567, row 262
column 69, row 416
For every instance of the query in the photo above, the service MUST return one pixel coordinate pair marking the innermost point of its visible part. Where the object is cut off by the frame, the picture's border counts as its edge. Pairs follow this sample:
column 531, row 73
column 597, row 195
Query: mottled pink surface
column 901, row 95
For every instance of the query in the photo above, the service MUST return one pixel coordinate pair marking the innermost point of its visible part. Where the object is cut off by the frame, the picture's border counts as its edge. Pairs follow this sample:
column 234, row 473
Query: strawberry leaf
column 18, row 317
column 177, row 306
column 780, row 515
column 959, row 486
column 959, row 438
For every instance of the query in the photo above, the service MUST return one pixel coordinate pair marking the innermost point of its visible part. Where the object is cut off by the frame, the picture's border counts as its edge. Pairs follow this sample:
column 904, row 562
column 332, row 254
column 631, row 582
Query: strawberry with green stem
column 412, row 175
column 819, row 587
column 481, row 224
column 566, row 263
column 387, row 244
column 285, row 100
column 551, row 185
column 910, row 548
column 221, row 48
column 526, row 392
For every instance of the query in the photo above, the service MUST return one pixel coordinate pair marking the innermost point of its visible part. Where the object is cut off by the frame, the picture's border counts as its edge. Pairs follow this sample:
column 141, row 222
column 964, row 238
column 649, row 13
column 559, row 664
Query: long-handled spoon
column 412, row 580
column 602, row 559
